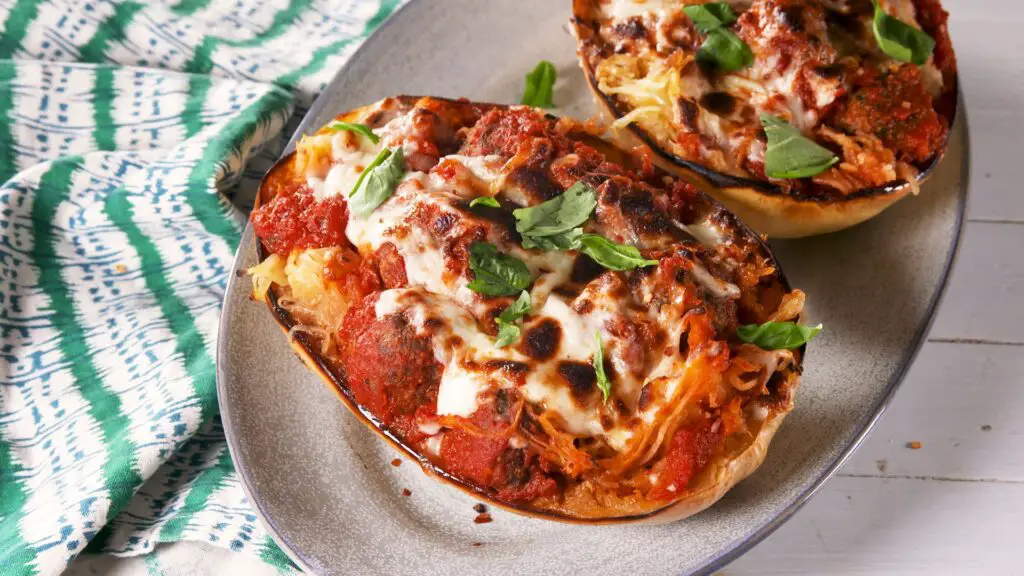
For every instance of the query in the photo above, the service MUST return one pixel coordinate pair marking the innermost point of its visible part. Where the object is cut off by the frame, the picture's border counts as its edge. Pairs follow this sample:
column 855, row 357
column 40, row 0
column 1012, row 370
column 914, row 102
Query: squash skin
column 759, row 203
column 714, row 481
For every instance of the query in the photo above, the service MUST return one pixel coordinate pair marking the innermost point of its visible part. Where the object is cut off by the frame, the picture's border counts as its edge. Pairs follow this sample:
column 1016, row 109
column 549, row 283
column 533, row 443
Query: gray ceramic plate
column 325, row 486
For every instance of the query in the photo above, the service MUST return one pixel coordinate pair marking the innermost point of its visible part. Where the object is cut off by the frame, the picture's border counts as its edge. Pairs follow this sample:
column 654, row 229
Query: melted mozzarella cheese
column 624, row 9
column 459, row 389
column 720, row 288
column 578, row 331
column 350, row 155
column 424, row 259
column 704, row 232
column 766, row 86
column 484, row 168
column 433, row 444
column 440, row 304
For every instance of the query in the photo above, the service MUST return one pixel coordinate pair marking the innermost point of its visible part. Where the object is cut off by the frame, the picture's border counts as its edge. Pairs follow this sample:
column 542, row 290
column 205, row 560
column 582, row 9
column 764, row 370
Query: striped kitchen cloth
column 131, row 136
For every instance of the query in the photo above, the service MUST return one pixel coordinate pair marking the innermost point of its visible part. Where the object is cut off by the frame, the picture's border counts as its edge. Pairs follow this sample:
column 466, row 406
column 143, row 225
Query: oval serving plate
column 324, row 485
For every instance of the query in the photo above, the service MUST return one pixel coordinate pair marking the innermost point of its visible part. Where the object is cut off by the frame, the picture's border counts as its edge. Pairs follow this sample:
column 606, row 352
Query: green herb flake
column 602, row 379
column 496, row 274
column 539, row 86
column 363, row 129
column 710, row 16
column 790, row 154
column 508, row 330
column 777, row 335
column 725, row 51
column 381, row 178
column 559, row 215
column 484, row 201
column 611, row 255
column 569, row 240
column 899, row 40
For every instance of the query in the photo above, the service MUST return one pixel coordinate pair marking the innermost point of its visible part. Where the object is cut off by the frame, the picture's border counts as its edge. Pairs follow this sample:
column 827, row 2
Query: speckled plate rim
column 741, row 545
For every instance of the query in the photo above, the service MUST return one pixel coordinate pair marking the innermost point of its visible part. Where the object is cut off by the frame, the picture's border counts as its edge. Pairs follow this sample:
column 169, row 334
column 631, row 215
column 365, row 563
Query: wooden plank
column 906, row 527
column 963, row 404
column 985, row 297
column 992, row 85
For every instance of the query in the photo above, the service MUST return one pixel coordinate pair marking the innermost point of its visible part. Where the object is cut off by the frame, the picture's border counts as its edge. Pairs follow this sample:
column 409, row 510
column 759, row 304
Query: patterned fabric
column 131, row 135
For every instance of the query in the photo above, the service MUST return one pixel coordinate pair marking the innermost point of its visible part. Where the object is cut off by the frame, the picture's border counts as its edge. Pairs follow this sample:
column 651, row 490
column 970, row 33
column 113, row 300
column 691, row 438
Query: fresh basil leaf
column 539, row 87
column 899, row 40
column 381, row 178
column 485, row 201
column 725, row 51
column 790, row 154
column 602, row 379
column 707, row 17
column 558, row 215
column 521, row 307
column 380, row 157
column 611, row 255
column 363, row 129
column 508, row 330
column 496, row 274
column 566, row 241
column 777, row 335
column 508, row 333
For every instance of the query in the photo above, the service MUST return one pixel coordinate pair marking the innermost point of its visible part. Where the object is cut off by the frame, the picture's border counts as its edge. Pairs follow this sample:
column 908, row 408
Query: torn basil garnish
column 376, row 183
column 710, row 16
column 899, row 40
column 790, row 154
column 556, row 216
column 539, row 86
column 496, row 274
column 508, row 329
column 777, row 335
column 363, row 129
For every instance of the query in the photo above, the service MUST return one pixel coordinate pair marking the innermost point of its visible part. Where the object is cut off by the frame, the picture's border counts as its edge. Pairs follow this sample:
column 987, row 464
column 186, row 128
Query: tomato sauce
column 501, row 132
column 390, row 369
column 896, row 108
column 483, row 457
column 688, row 452
column 299, row 220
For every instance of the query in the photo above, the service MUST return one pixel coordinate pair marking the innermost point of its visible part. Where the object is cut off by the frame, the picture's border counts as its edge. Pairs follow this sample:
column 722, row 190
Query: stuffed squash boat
column 803, row 116
column 548, row 323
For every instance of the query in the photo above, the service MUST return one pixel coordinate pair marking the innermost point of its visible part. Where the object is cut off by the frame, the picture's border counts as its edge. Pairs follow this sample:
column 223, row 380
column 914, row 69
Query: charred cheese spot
column 514, row 465
column 581, row 378
column 632, row 29
column 535, row 182
column 443, row 223
column 688, row 113
column 541, row 340
column 644, row 401
column 720, row 103
column 514, row 372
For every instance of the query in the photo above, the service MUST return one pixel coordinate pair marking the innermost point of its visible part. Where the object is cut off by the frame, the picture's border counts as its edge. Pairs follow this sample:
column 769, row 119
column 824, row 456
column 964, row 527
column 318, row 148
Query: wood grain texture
column 953, row 506
column 896, row 526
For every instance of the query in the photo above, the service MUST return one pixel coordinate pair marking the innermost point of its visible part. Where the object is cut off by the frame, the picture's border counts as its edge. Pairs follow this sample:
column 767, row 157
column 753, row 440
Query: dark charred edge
column 722, row 180
column 717, row 213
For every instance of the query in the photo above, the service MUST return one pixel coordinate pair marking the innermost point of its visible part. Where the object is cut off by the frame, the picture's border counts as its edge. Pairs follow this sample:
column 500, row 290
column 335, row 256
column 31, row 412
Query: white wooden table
column 956, row 504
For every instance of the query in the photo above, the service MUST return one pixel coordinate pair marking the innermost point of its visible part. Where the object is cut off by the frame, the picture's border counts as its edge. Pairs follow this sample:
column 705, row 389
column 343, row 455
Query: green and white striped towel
column 126, row 130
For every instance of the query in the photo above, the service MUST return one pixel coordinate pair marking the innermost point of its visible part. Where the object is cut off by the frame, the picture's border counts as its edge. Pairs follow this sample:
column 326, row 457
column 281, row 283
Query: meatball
column 390, row 370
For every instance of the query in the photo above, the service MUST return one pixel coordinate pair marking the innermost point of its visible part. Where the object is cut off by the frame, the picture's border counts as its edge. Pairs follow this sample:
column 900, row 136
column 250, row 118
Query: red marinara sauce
column 688, row 452
column 299, row 220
